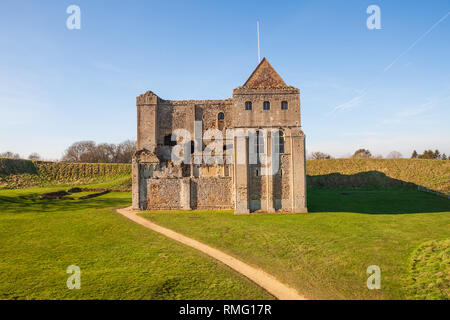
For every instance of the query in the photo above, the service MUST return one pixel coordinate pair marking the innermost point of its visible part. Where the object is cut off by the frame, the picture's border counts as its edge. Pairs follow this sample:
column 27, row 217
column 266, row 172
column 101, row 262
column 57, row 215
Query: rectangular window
column 284, row 105
column 266, row 105
column 248, row 105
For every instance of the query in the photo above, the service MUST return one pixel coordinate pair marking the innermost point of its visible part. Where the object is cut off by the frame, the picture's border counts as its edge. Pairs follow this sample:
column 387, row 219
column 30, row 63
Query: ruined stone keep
column 263, row 104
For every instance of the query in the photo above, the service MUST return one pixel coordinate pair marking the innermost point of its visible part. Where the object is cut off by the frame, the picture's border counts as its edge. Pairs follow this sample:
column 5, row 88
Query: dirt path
column 258, row 276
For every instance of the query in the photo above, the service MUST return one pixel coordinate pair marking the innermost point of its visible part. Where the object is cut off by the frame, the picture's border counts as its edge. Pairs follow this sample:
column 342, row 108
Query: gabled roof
column 264, row 76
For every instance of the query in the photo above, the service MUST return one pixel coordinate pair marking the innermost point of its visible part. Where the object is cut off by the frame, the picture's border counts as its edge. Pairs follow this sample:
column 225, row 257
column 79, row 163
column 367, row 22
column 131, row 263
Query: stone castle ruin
column 261, row 121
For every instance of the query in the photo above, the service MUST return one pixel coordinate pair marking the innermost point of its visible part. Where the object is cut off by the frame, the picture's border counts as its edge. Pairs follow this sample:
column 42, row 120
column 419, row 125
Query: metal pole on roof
column 259, row 50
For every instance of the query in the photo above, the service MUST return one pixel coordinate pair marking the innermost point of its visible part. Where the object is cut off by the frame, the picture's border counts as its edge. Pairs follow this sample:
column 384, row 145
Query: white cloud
column 356, row 101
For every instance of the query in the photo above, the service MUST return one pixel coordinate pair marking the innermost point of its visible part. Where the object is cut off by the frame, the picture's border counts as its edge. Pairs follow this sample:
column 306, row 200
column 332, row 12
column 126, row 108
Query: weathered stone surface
column 159, row 183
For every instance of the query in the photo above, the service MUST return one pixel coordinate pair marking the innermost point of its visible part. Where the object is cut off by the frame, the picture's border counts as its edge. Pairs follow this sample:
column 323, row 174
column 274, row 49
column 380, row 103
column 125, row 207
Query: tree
column 414, row 155
column 394, row 155
column 88, row 151
column 320, row 155
column 437, row 154
column 427, row 154
column 361, row 154
column 430, row 154
column 444, row 156
column 34, row 156
column 125, row 151
column 10, row 155
column 82, row 151
column 105, row 153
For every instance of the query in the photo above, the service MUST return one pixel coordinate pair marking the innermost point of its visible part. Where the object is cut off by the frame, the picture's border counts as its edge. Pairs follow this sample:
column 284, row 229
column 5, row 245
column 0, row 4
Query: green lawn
column 325, row 254
column 119, row 259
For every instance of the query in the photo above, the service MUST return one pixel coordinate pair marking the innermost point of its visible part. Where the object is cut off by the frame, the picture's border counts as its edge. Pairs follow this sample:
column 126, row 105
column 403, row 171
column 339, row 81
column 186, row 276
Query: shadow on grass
column 31, row 203
column 368, row 180
column 382, row 195
column 393, row 201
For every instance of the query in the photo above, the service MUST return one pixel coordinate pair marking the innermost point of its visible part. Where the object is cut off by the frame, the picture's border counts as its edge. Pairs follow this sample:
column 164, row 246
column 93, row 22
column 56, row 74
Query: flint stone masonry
column 161, row 184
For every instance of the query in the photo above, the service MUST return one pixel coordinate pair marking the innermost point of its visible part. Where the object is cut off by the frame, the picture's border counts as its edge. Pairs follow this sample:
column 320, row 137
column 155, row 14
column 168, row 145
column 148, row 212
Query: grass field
column 119, row 259
column 325, row 254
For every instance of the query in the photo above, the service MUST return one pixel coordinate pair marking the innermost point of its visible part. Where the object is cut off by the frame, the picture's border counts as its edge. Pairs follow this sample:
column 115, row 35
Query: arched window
column 220, row 120
column 284, row 105
column 266, row 105
column 248, row 105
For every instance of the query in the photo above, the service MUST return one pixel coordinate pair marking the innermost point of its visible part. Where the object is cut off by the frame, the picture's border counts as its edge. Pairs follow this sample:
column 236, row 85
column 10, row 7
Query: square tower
column 266, row 103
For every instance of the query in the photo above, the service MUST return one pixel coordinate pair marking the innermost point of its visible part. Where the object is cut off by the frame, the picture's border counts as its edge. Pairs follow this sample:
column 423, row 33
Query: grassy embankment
column 25, row 173
column 331, row 174
column 379, row 174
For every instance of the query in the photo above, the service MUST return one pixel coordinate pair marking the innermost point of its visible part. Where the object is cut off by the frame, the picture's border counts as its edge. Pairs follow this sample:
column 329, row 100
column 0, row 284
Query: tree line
column 358, row 154
column 89, row 152
column 429, row 154
column 366, row 154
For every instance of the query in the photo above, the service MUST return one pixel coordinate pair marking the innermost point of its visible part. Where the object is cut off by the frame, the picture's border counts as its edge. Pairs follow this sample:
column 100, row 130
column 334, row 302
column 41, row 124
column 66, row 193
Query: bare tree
column 34, row 156
column 10, row 155
column 125, row 151
column 82, row 151
column 394, row 155
column 88, row 151
column 320, row 155
column 105, row 153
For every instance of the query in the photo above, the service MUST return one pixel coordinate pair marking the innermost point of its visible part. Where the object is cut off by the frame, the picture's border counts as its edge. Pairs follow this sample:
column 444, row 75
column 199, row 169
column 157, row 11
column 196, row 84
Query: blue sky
column 58, row 86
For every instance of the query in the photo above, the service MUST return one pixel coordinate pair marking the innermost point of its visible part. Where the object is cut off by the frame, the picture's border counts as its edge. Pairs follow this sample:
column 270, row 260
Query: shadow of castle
column 370, row 192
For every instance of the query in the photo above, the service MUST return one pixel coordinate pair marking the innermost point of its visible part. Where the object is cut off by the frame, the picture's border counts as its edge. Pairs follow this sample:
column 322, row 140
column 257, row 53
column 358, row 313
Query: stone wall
column 189, row 193
column 266, row 118
column 164, row 193
column 212, row 193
